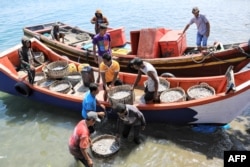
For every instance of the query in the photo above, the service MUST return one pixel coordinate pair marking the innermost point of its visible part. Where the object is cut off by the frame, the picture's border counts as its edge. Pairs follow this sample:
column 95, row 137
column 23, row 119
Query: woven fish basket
column 39, row 57
column 200, row 91
column 57, row 69
column 173, row 95
column 74, row 78
column 164, row 85
column 62, row 86
column 121, row 94
column 105, row 146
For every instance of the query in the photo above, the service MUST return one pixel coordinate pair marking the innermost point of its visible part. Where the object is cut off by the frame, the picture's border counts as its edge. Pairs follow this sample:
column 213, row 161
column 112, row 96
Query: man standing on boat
column 103, row 43
column 27, row 59
column 203, row 27
column 99, row 19
column 151, row 90
column 80, row 141
column 109, row 70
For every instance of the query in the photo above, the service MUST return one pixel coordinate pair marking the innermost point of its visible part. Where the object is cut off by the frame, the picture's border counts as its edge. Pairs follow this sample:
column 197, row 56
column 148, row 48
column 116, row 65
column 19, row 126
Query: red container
column 118, row 37
column 148, row 46
column 173, row 44
column 134, row 39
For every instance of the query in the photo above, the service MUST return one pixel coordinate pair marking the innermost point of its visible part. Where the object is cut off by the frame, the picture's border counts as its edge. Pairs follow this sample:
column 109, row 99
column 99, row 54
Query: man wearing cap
column 80, row 141
column 203, row 27
column 131, row 117
column 99, row 19
column 102, row 42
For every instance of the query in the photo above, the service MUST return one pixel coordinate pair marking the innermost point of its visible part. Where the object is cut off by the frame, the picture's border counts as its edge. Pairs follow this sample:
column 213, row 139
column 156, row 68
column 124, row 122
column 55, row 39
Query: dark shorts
column 148, row 95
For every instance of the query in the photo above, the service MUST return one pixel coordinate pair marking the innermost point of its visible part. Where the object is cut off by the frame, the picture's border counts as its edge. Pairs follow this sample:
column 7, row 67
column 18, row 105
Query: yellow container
column 121, row 51
column 72, row 68
column 81, row 66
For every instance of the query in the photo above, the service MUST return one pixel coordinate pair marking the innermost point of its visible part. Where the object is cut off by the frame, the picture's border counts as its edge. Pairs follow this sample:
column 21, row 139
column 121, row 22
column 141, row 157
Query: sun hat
column 98, row 11
column 195, row 10
column 93, row 115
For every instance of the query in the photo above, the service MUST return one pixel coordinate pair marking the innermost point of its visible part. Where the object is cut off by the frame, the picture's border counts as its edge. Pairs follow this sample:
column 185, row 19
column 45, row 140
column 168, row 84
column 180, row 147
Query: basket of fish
column 200, row 91
column 105, row 145
column 121, row 94
column 164, row 85
column 74, row 78
column 173, row 95
column 62, row 86
column 57, row 69
column 39, row 76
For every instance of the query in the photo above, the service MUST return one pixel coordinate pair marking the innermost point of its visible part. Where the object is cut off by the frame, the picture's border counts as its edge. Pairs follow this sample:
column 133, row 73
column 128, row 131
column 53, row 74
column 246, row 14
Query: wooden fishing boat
column 230, row 97
column 164, row 48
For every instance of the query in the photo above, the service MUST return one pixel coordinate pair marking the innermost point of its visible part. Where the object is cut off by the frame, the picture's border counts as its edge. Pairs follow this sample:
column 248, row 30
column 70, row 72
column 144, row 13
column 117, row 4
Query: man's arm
column 105, row 19
column 185, row 29
column 103, row 78
column 208, row 29
column 114, row 78
column 87, row 157
column 93, row 20
column 138, row 78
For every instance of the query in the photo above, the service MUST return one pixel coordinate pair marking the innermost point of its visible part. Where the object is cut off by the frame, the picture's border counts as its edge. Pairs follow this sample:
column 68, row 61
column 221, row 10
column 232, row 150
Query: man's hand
column 90, row 162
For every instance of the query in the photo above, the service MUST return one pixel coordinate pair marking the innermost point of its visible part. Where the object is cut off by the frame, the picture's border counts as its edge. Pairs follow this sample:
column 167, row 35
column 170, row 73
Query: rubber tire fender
column 23, row 89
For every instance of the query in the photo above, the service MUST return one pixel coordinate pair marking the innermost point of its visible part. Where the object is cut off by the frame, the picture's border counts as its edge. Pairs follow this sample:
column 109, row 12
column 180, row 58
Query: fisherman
column 203, row 27
column 80, row 140
column 27, row 59
column 153, row 82
column 99, row 19
column 131, row 117
column 102, row 45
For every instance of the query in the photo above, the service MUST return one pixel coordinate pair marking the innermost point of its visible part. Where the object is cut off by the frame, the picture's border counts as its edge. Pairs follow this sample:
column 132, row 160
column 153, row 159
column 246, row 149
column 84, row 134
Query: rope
column 211, row 53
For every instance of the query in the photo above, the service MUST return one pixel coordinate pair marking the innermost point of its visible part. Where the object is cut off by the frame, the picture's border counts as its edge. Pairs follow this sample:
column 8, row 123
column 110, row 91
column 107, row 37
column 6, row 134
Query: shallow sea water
column 34, row 134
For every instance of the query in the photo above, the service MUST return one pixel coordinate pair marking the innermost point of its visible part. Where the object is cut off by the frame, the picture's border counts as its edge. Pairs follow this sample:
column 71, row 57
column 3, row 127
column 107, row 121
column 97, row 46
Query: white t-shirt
column 150, row 82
